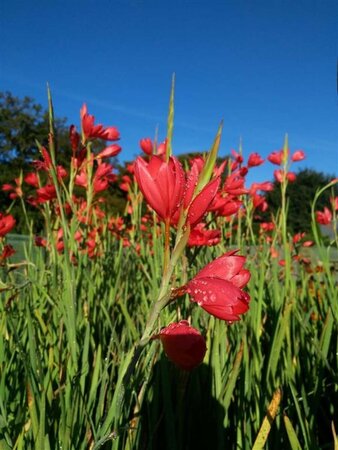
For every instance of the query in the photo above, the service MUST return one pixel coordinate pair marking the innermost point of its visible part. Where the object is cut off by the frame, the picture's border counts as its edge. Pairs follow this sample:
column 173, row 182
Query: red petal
column 224, row 267
column 202, row 201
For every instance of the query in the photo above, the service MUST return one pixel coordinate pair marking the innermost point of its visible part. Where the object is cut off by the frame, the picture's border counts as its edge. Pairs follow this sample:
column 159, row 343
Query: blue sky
column 266, row 68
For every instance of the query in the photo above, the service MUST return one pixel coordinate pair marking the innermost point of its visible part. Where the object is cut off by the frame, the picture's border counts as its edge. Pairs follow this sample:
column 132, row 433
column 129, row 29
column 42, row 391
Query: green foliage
column 79, row 369
column 299, row 195
column 287, row 341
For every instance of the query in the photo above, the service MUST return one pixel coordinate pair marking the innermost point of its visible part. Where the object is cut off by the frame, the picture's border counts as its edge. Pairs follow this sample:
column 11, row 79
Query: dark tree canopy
column 22, row 123
column 300, row 196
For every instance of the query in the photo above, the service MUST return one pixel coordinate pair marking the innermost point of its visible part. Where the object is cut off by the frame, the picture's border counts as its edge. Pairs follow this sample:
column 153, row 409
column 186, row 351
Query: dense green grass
column 78, row 367
column 61, row 387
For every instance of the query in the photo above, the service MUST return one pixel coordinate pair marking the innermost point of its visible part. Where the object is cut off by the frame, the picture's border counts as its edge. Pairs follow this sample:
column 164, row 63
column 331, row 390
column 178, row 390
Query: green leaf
column 294, row 442
column 170, row 120
column 210, row 162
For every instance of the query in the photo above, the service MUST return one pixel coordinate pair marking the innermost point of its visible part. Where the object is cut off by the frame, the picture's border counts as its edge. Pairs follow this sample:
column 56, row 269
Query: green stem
column 166, row 246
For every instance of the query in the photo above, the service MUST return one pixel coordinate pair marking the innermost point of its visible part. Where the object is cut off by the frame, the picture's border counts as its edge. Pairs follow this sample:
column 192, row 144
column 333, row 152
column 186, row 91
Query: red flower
column 265, row 186
column 291, row 176
column 161, row 183
column 201, row 202
column 298, row 237
column 17, row 191
column 225, row 206
column 146, row 146
column 199, row 236
column 255, row 160
column 237, row 156
column 276, row 157
column 298, row 155
column 7, row 223
column 126, row 183
column 46, row 193
column 259, row 202
column 234, row 184
column 218, row 287
column 32, row 179
column 183, row 344
column 279, row 175
column 324, row 217
column 103, row 176
column 267, row 226
column 109, row 152
column 40, row 241
column 162, row 148
column 7, row 252
column 74, row 138
column 196, row 206
column 96, row 131
column 46, row 164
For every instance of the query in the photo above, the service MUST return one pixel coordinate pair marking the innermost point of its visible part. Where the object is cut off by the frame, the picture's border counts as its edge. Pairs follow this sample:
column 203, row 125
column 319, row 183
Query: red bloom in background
column 267, row 226
column 324, row 217
column 199, row 236
column 237, row 157
column 46, row 164
column 183, row 344
column 276, row 157
column 74, row 138
column 146, row 146
column 7, row 252
column 255, row 160
column 279, row 174
column 7, row 223
column 161, row 183
column 291, row 176
column 109, row 152
column 234, row 184
column 259, row 202
column 126, row 183
column 16, row 190
column 298, row 237
column 225, row 206
column 102, row 177
column 40, row 241
column 298, row 155
column 32, row 179
column 265, row 186
column 96, row 131
column 46, row 193
column 218, row 287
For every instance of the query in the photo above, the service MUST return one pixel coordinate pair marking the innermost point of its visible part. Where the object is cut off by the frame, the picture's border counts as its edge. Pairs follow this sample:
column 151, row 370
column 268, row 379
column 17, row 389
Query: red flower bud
column 255, row 160
column 161, row 183
column 298, row 155
column 7, row 223
column 146, row 146
column 183, row 344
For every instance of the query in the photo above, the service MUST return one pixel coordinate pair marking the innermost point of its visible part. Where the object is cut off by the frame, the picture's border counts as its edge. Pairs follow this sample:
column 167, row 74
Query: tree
column 22, row 123
column 300, row 195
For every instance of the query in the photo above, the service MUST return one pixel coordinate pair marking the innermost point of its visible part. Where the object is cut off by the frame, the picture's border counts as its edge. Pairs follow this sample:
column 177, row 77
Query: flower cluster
column 176, row 198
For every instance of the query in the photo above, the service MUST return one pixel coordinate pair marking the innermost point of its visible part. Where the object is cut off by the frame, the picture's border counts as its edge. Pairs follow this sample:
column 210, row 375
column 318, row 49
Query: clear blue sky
column 266, row 67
